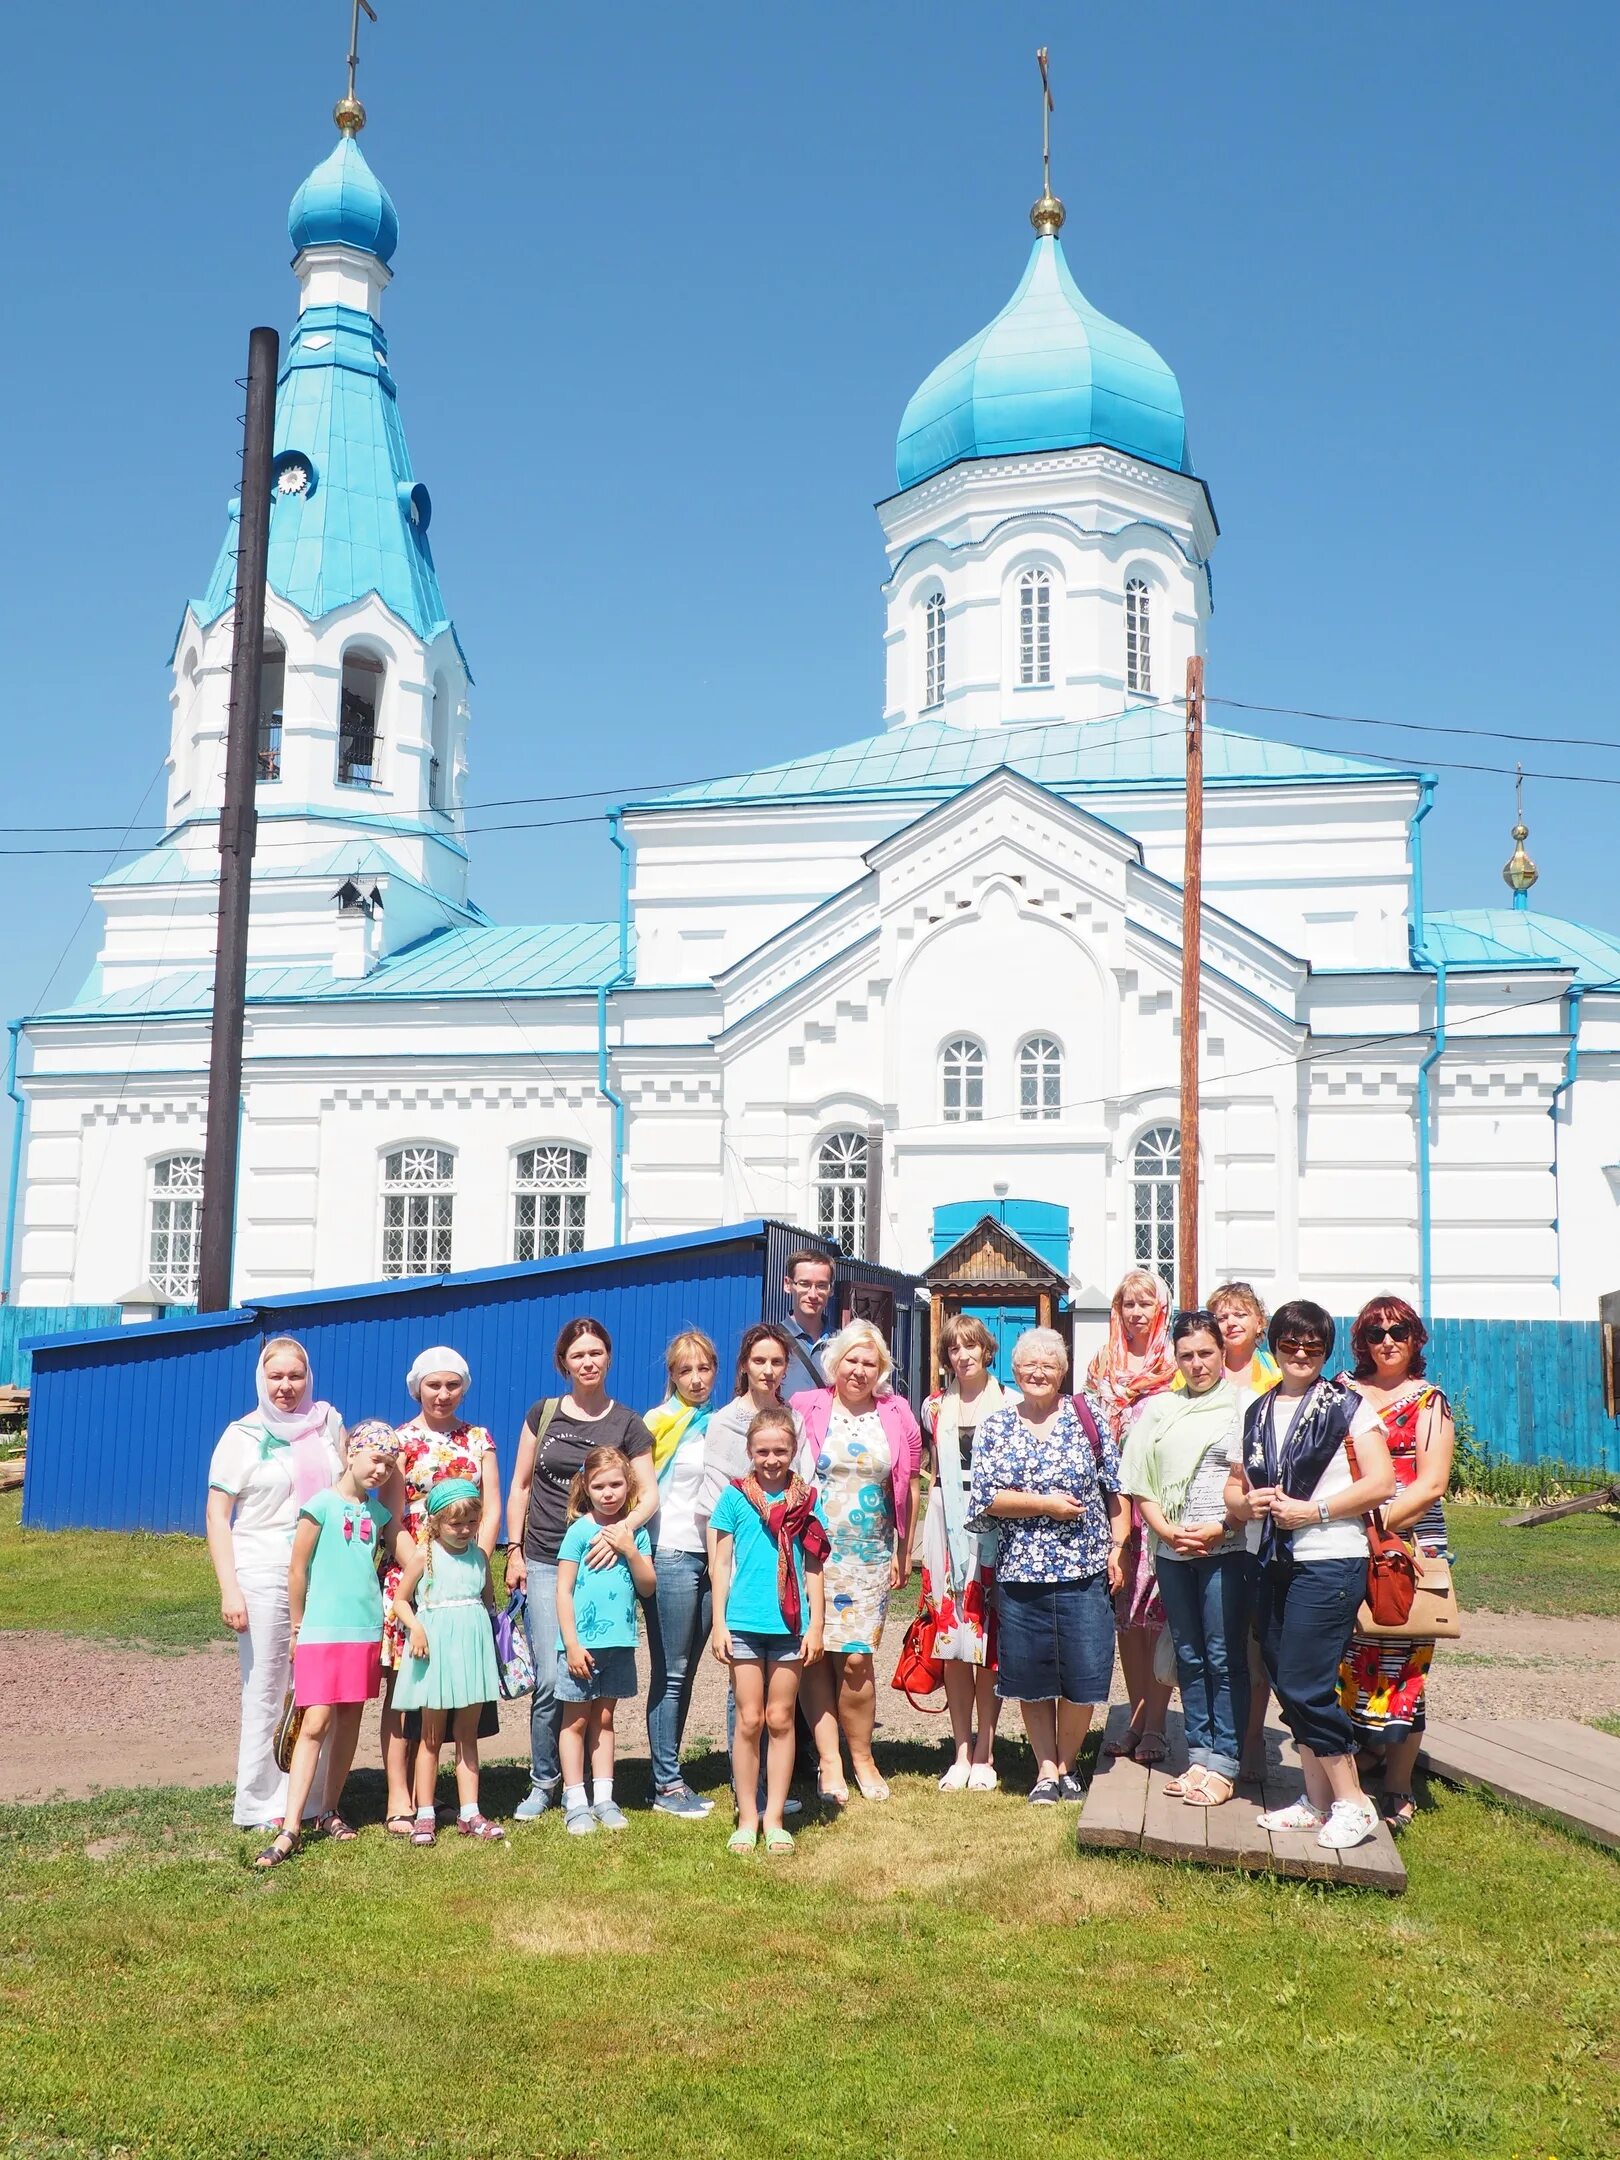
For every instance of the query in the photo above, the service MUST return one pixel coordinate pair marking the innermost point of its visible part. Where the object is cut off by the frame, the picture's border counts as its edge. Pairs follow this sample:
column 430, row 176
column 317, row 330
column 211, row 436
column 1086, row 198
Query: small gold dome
column 350, row 115
column 1047, row 215
column 1519, row 871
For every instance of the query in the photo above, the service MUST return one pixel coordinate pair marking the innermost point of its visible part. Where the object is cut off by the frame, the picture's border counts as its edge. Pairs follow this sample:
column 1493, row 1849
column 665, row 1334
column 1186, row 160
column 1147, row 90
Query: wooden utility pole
column 1192, row 883
column 238, row 824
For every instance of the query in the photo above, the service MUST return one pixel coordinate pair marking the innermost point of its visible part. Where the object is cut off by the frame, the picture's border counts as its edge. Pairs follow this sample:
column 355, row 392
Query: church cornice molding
column 934, row 545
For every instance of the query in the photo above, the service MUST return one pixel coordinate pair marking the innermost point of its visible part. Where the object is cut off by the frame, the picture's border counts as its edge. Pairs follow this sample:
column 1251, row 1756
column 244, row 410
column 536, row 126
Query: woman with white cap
column 438, row 1443
column 264, row 1468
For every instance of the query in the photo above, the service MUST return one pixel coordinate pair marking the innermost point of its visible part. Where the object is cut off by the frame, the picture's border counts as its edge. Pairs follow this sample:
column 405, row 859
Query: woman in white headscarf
column 263, row 1470
column 437, row 1443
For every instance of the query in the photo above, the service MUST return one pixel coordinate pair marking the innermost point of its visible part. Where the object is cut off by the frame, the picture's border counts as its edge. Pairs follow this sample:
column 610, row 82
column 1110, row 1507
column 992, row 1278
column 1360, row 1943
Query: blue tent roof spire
column 348, row 516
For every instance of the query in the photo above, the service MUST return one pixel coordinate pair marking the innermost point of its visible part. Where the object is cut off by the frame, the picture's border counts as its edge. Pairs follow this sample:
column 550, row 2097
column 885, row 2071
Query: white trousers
column 265, row 1651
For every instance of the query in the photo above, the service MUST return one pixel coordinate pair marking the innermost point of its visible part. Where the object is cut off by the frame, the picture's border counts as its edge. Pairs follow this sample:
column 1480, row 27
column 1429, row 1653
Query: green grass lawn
column 940, row 1973
column 120, row 1587
column 1570, row 1567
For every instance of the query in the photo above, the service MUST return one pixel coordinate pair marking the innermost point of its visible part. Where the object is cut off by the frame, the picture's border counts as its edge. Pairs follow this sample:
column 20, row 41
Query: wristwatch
column 1322, row 1515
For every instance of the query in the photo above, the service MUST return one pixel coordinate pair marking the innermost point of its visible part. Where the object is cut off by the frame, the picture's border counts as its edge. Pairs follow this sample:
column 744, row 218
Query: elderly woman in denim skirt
column 1050, row 1488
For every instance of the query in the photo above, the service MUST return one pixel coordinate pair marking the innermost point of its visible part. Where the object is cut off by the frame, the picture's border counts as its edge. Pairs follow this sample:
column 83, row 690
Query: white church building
column 872, row 989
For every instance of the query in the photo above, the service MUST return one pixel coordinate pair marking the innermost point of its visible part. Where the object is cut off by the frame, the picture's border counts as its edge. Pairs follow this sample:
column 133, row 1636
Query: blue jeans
column 677, row 1629
column 1207, row 1605
column 1307, row 1615
column 545, row 1714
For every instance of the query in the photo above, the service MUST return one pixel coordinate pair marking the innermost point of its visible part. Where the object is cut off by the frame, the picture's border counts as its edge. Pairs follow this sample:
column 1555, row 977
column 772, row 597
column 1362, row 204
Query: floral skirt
column 1381, row 1686
column 966, row 1611
column 1137, row 1605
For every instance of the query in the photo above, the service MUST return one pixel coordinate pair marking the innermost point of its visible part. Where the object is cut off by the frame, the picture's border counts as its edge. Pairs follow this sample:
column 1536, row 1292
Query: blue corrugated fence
column 19, row 1322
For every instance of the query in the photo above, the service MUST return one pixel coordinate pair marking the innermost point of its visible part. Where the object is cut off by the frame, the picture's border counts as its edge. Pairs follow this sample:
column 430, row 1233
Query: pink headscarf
column 303, row 1428
column 1109, row 1375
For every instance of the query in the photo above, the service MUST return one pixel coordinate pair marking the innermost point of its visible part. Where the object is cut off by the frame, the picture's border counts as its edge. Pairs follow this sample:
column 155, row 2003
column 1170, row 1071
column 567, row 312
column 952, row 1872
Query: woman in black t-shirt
column 558, row 1433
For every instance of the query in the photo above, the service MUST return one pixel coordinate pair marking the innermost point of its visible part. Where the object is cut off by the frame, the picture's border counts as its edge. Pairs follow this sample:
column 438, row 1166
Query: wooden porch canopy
column 989, row 1266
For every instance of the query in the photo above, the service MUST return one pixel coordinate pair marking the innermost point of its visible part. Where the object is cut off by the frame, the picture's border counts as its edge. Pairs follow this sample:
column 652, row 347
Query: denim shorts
column 1055, row 1641
column 614, row 1679
column 749, row 1647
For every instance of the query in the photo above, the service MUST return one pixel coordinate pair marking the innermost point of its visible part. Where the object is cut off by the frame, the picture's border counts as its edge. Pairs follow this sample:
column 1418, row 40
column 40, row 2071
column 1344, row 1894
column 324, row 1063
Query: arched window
column 934, row 650
column 841, row 1192
column 1138, row 638
column 1040, row 1078
column 1155, row 1179
column 548, row 1202
column 418, row 1211
column 1034, row 628
column 961, row 1075
column 272, row 696
column 174, row 1226
column 358, row 707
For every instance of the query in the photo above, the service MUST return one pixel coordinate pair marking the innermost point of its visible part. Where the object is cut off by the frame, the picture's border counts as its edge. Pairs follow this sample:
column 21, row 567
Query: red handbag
column 1392, row 1571
column 918, row 1670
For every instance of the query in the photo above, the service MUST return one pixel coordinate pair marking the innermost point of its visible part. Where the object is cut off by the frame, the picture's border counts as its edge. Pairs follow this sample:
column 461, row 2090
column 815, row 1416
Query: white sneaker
column 1299, row 1815
column 1350, row 1822
column 955, row 1778
column 982, row 1778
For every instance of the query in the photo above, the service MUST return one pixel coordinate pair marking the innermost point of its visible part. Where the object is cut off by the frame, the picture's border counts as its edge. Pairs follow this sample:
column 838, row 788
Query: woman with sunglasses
column 1382, row 1681
column 1314, row 1462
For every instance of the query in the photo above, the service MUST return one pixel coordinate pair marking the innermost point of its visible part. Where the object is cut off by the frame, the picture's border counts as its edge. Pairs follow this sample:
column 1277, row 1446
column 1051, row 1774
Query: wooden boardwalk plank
column 1231, row 1834
column 1522, row 1767
column 1565, row 1745
column 1171, row 1831
column 1117, row 1797
column 1296, row 1852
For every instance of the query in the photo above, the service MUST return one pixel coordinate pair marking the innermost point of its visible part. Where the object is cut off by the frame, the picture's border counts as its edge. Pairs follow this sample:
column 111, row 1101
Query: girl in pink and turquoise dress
column 335, row 1602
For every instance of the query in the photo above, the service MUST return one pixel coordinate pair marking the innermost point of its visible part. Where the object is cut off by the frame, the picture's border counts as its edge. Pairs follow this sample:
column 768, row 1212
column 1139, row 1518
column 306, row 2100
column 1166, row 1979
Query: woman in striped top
column 1381, row 1683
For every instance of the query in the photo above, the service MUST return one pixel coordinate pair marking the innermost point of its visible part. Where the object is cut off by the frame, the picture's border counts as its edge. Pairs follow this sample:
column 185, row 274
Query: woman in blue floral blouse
column 1046, row 1477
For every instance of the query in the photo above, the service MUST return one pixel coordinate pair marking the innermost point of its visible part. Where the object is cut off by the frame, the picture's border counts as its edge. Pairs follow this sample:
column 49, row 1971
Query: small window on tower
column 272, row 694
column 1138, row 638
column 934, row 651
column 357, row 719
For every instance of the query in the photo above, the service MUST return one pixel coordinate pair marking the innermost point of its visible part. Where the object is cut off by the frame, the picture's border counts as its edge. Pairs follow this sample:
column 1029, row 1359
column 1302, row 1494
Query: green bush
column 1478, row 1473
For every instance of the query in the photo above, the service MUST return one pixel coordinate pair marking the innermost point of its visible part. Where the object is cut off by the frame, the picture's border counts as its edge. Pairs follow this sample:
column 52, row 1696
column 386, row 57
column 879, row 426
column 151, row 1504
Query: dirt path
column 76, row 1717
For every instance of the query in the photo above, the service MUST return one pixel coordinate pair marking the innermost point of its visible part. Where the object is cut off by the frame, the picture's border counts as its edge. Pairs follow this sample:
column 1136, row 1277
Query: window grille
column 1040, row 1078
column 1138, row 638
column 962, row 1081
column 418, row 1203
column 174, row 1226
column 548, row 1203
column 841, row 1191
column 935, row 651
column 1155, row 1184
column 1034, row 628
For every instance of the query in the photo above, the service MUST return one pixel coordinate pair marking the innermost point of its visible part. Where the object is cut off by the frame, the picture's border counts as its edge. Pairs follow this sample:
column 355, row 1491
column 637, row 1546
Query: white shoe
column 955, row 1778
column 1350, row 1822
column 982, row 1778
column 1300, row 1815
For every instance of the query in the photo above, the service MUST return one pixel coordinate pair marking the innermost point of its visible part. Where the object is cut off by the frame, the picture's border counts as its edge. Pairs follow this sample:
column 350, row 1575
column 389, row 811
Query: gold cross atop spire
column 348, row 112
column 1047, row 214
column 1519, row 872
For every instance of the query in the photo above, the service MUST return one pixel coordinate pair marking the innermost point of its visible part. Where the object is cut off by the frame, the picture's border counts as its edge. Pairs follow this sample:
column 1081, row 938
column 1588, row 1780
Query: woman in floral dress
column 437, row 1443
column 958, row 1563
column 1383, row 1677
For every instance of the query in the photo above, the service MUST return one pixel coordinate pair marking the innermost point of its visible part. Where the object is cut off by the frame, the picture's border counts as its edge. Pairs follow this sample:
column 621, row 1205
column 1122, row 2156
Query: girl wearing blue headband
column 444, row 1602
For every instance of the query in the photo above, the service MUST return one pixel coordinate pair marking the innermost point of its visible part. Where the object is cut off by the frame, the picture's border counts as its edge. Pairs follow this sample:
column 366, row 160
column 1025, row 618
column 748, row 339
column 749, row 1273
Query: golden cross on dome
column 349, row 113
column 1047, row 215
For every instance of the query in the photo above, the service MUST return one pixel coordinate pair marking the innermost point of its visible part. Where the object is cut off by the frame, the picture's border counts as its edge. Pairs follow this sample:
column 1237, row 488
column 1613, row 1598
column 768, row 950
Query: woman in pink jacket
column 863, row 1451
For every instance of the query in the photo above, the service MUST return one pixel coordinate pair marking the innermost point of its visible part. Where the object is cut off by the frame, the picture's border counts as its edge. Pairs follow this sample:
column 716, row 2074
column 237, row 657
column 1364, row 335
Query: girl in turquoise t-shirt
column 768, row 1538
column 335, row 1601
column 596, row 1634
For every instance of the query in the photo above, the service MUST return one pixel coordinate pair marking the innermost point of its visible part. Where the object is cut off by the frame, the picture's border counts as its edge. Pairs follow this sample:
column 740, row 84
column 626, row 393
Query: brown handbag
column 1392, row 1569
column 1434, row 1614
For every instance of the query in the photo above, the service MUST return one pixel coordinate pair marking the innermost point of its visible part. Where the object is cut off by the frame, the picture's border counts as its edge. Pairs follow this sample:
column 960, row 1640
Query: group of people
column 1199, row 1491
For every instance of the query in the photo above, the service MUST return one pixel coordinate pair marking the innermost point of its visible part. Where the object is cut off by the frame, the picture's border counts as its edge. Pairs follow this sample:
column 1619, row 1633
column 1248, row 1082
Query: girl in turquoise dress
column 450, row 1672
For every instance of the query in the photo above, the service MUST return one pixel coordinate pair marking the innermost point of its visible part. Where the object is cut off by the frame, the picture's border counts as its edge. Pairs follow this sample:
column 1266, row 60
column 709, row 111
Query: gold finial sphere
column 1047, row 215
column 350, row 115
column 1519, row 871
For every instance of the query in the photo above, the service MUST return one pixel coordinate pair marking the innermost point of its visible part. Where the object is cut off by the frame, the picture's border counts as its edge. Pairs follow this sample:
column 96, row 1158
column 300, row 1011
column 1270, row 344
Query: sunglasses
column 1301, row 1345
column 1396, row 1331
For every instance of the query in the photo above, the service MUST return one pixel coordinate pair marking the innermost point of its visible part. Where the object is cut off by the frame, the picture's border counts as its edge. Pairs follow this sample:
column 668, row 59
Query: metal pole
column 238, row 822
column 1191, row 971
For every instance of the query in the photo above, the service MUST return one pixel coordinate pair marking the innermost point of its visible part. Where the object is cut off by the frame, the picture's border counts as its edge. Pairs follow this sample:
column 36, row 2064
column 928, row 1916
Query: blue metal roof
column 472, row 961
column 930, row 760
column 343, row 202
column 1051, row 372
column 1517, row 937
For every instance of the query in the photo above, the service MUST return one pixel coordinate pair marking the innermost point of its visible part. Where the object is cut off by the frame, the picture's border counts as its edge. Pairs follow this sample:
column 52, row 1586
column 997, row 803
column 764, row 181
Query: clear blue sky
column 665, row 281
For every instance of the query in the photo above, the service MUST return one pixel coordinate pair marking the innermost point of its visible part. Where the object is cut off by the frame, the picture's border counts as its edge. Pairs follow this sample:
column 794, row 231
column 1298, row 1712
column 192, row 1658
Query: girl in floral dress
column 437, row 1443
column 958, row 1563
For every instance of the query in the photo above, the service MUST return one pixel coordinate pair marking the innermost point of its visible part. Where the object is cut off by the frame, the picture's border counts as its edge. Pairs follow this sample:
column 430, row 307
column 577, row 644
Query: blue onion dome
column 1050, row 373
column 343, row 202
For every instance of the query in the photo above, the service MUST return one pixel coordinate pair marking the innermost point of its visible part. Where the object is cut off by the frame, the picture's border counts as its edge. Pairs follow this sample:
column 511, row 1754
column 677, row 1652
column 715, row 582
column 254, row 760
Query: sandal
column 424, row 1833
column 333, row 1826
column 1126, row 1746
column 478, row 1826
column 778, row 1841
column 409, row 1820
column 1212, row 1790
column 1400, row 1811
column 877, row 1790
column 833, row 1796
column 742, row 1841
column 1151, row 1748
column 283, row 1846
column 1183, row 1787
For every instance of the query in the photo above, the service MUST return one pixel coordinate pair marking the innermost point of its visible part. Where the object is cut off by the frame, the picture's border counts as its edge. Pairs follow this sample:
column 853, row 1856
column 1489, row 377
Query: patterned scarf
column 302, row 1429
column 1109, row 1374
column 790, row 1517
column 1298, row 1461
column 669, row 1425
